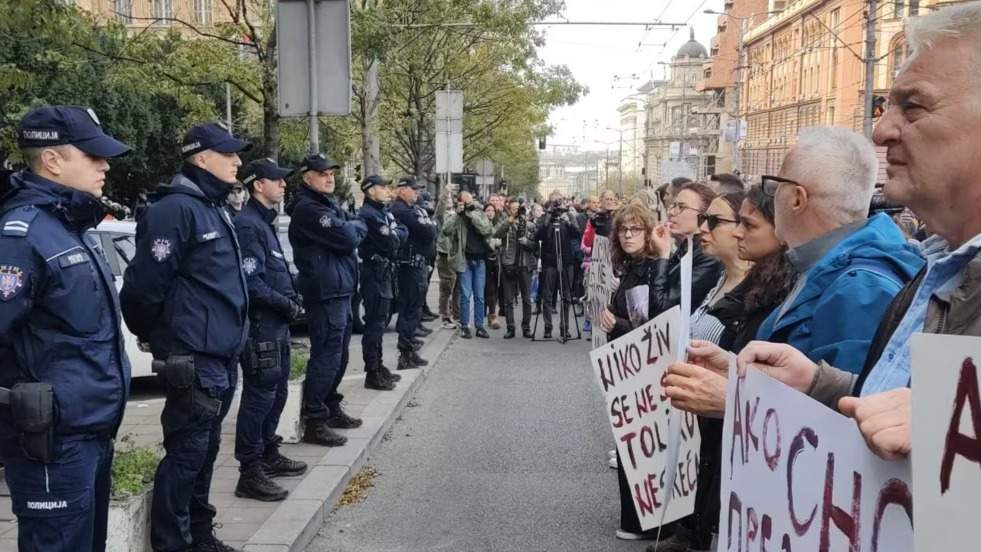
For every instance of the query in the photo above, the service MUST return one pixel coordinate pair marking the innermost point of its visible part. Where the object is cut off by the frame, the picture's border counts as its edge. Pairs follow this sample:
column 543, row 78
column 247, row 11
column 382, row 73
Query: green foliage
column 133, row 471
column 298, row 364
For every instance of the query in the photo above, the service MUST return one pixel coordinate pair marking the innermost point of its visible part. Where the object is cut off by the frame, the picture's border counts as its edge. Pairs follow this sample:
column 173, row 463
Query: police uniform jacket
column 324, row 239
column 385, row 234
column 267, row 274
column 185, row 292
column 422, row 231
column 59, row 313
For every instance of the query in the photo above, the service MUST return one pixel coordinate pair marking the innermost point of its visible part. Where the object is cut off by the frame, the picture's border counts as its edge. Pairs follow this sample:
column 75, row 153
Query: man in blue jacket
column 378, row 254
column 850, row 267
column 273, row 303
column 184, row 293
column 61, row 349
column 325, row 239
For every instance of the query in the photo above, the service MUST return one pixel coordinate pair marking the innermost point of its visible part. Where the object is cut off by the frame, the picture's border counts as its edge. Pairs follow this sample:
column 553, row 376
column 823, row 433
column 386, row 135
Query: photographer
column 470, row 249
column 556, row 233
column 518, row 263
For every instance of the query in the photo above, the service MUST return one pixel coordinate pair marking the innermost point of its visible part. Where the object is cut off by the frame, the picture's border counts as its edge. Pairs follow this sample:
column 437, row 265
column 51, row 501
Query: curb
column 294, row 524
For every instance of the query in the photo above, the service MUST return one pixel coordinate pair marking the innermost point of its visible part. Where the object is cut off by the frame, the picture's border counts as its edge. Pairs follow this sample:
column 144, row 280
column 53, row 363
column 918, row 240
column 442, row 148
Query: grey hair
column 838, row 167
column 958, row 21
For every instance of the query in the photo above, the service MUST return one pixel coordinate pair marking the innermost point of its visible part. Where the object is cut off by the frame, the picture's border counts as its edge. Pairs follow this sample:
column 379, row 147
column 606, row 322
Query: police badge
column 325, row 221
column 249, row 264
column 11, row 281
column 160, row 250
column 385, row 230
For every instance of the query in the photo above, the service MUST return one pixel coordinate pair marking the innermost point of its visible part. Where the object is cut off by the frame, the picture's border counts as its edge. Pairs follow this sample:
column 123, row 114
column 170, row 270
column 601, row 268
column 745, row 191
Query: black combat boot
column 417, row 361
column 277, row 465
column 405, row 361
column 255, row 484
column 394, row 378
column 510, row 333
column 423, row 331
column 210, row 543
column 340, row 420
column 376, row 380
column 318, row 432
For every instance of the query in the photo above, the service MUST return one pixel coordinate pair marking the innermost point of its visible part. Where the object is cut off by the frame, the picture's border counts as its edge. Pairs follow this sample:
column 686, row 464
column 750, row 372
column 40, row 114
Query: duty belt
column 416, row 261
column 380, row 261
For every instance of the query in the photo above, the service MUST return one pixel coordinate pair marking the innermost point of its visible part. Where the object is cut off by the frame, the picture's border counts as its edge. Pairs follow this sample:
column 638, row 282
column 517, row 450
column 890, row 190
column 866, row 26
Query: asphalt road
column 504, row 450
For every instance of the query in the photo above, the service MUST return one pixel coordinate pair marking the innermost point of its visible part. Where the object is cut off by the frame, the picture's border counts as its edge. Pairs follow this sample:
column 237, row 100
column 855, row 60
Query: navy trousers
column 265, row 380
column 64, row 505
column 329, row 323
column 180, row 512
column 412, row 293
column 377, row 296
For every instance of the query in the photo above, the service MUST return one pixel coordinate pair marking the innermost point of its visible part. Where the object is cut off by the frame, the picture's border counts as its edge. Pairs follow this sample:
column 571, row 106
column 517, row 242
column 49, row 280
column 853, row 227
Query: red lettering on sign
column 849, row 524
column 796, row 447
column 735, row 507
column 771, row 459
column 894, row 491
column 956, row 443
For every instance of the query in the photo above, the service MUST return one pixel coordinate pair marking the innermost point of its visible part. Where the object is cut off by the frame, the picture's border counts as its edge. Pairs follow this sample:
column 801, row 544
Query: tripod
column 564, row 295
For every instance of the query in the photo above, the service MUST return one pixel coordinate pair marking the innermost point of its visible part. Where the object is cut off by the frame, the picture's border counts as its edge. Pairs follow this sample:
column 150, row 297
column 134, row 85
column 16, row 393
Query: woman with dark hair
column 691, row 201
column 743, row 310
column 633, row 256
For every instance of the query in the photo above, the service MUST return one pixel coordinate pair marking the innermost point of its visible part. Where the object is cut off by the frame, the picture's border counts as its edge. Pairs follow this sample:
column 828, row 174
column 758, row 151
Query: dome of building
column 692, row 49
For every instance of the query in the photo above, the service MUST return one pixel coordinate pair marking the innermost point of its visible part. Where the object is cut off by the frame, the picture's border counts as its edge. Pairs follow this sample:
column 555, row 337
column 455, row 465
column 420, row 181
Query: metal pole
column 736, row 153
column 620, row 166
column 228, row 106
column 312, row 55
column 869, row 67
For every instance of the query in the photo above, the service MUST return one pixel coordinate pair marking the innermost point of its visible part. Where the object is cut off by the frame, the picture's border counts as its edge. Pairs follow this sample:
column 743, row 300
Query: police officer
column 61, row 349
column 413, row 269
column 325, row 239
column 378, row 254
column 273, row 303
column 185, row 294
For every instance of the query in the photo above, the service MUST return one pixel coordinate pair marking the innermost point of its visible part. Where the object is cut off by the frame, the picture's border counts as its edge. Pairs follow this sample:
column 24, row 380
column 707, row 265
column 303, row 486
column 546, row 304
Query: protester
column 470, row 229
column 492, row 284
column 597, row 224
column 665, row 292
column 634, row 257
column 931, row 130
column 449, row 305
column 725, row 183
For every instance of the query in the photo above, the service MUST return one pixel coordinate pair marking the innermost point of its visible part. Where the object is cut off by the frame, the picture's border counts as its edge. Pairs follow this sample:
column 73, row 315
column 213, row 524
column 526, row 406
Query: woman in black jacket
column 690, row 202
column 633, row 255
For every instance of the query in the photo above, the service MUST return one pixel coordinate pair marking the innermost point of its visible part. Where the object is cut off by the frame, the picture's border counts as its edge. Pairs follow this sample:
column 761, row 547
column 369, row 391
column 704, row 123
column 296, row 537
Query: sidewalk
column 288, row 525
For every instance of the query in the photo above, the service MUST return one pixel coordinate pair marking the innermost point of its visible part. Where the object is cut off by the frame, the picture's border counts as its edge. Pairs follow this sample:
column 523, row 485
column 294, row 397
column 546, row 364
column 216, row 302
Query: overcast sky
column 614, row 60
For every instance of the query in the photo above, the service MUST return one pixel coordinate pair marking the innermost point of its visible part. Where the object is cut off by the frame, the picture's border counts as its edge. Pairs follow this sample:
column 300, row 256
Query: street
column 505, row 449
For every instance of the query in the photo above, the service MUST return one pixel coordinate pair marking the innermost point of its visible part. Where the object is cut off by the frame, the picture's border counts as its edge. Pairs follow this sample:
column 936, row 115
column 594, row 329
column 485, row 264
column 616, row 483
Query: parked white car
column 118, row 239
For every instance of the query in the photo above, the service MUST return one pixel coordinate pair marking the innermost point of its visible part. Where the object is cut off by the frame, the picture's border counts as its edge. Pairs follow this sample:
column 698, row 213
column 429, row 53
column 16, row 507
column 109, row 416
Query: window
column 899, row 54
column 914, row 7
column 202, row 11
column 123, row 11
column 897, row 8
column 163, row 10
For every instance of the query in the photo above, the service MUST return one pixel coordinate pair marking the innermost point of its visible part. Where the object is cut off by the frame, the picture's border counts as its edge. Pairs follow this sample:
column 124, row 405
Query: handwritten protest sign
column 629, row 371
column 946, row 441
column 600, row 285
column 797, row 476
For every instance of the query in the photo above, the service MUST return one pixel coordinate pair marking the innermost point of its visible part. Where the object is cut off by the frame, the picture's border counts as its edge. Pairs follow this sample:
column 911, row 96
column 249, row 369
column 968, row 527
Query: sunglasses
column 713, row 221
column 770, row 184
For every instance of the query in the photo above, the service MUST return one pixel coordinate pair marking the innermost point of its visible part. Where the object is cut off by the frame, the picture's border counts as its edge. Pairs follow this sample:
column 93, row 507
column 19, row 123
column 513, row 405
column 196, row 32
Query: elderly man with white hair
column 932, row 129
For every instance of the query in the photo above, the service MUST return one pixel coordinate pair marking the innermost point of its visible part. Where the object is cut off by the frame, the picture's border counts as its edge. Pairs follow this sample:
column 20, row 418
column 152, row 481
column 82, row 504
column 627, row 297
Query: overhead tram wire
column 640, row 42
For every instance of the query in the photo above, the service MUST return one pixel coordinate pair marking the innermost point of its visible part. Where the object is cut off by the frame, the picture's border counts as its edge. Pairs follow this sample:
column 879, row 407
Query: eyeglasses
column 770, row 184
column 631, row 231
column 713, row 221
column 237, row 190
column 681, row 207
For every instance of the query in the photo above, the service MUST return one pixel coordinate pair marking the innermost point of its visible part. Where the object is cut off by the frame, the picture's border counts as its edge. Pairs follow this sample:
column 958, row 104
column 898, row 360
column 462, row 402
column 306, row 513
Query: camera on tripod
column 557, row 208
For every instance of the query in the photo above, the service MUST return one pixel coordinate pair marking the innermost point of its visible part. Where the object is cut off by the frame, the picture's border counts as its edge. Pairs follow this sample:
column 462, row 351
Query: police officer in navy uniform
column 62, row 363
column 378, row 253
column 185, row 294
column 413, row 270
column 325, row 239
column 273, row 304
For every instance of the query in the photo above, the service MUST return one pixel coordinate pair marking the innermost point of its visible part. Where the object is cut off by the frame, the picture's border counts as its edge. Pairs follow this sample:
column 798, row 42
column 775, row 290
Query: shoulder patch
column 325, row 221
column 11, row 281
column 18, row 221
column 160, row 249
column 249, row 265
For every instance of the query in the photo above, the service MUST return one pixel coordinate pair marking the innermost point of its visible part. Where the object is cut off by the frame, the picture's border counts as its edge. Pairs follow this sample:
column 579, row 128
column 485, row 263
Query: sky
column 613, row 61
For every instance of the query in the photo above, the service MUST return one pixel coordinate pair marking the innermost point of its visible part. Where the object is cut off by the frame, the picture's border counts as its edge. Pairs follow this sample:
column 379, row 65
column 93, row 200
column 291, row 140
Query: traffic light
column 541, row 143
column 357, row 173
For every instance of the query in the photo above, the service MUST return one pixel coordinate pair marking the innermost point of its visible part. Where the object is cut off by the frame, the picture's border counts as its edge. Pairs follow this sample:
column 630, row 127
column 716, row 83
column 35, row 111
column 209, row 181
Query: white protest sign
column 600, row 285
column 946, row 441
column 629, row 371
column 798, row 476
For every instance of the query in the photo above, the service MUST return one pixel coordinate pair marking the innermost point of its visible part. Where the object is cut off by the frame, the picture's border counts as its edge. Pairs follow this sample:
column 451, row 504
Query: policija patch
column 11, row 281
column 160, row 250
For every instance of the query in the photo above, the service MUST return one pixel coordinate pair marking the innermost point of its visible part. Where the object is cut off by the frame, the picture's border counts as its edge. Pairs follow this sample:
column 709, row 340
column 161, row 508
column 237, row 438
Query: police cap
column 56, row 125
column 264, row 168
column 212, row 136
column 411, row 182
column 374, row 180
column 318, row 162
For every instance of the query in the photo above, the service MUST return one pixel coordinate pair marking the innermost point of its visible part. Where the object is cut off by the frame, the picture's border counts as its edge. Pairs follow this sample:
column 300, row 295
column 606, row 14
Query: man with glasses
column 849, row 267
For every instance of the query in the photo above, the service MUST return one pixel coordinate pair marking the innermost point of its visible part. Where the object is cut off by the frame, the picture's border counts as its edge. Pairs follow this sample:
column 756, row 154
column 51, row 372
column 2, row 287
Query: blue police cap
column 411, row 182
column 264, row 168
column 56, row 125
column 318, row 162
column 212, row 136
column 374, row 180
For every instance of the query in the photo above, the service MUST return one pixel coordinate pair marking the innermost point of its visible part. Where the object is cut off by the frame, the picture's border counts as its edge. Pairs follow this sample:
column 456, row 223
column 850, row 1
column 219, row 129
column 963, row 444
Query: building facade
column 682, row 136
column 163, row 14
column 633, row 123
column 805, row 67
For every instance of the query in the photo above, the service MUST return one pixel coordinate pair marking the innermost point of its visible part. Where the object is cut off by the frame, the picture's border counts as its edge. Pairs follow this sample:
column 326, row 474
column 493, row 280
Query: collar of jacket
column 376, row 204
column 267, row 214
column 804, row 257
column 208, row 184
column 326, row 199
column 80, row 210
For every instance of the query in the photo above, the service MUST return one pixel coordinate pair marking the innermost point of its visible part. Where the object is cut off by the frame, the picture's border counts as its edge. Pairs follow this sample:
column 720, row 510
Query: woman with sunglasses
column 691, row 201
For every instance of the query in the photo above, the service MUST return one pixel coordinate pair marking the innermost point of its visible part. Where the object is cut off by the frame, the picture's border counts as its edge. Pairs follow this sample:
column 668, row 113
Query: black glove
column 296, row 311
